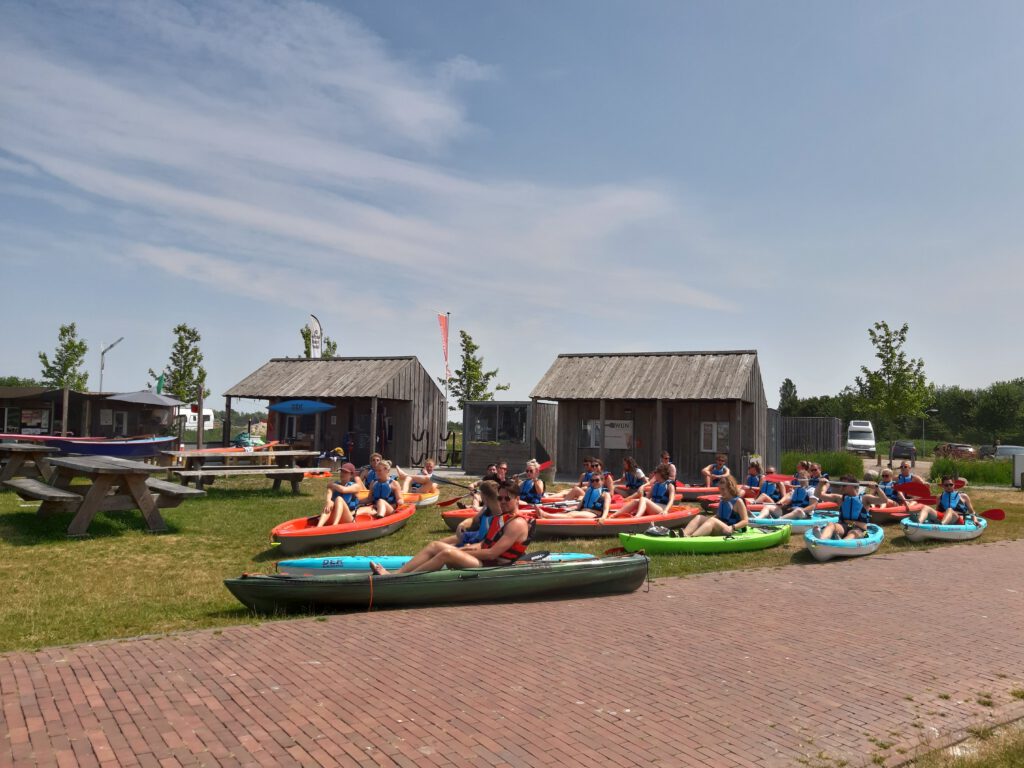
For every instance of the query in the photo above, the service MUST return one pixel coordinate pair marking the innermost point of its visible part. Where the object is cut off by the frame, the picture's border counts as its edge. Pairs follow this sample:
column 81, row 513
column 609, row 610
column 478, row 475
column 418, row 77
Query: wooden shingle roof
column 650, row 376
column 389, row 377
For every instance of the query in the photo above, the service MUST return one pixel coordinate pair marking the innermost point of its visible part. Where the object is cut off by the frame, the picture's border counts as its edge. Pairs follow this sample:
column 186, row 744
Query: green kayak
column 543, row 578
column 745, row 541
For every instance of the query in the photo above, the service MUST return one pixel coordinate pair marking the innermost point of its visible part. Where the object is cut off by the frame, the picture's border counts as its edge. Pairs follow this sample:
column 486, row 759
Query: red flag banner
column 442, row 320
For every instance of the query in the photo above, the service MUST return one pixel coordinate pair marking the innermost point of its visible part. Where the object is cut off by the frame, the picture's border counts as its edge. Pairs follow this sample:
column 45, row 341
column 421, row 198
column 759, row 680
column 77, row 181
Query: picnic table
column 23, row 458
column 205, row 466
column 115, row 484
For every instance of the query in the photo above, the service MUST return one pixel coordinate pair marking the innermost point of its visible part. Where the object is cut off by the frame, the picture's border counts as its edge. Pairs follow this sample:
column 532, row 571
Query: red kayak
column 579, row 526
column 302, row 535
column 694, row 492
column 883, row 515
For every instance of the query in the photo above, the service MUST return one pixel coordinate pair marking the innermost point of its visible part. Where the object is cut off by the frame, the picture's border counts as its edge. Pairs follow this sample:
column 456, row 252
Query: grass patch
column 124, row 582
column 1017, row 693
column 834, row 463
column 985, row 700
column 994, row 751
column 944, row 696
column 978, row 472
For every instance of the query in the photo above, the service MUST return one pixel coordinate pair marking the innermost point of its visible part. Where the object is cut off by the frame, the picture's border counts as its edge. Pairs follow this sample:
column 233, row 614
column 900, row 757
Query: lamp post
column 924, row 417
column 102, row 354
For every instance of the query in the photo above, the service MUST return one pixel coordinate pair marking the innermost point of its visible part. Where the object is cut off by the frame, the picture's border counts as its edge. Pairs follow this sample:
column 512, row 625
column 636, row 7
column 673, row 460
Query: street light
column 927, row 413
column 104, row 352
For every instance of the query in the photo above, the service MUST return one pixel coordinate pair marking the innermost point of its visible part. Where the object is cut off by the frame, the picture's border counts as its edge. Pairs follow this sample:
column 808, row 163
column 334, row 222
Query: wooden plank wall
column 812, row 433
column 773, row 444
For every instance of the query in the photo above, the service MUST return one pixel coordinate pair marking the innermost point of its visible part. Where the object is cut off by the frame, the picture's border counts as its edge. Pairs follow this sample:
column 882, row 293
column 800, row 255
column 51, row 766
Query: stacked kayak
column 303, row 535
column 580, row 526
column 421, row 499
column 916, row 531
column 826, row 549
column 326, row 566
column 694, row 492
column 576, row 578
column 892, row 514
column 745, row 541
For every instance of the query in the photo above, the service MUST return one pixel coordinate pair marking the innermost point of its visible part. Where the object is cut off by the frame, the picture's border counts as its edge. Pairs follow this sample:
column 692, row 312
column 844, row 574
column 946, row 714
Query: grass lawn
column 124, row 582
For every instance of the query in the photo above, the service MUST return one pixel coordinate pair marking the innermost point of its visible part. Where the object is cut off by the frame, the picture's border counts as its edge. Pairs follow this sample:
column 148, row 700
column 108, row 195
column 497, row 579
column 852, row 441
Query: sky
column 561, row 177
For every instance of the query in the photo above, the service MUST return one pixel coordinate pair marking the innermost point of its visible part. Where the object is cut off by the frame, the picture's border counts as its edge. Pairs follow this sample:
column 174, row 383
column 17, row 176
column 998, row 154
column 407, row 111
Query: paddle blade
column 449, row 502
column 779, row 478
column 545, row 465
column 994, row 514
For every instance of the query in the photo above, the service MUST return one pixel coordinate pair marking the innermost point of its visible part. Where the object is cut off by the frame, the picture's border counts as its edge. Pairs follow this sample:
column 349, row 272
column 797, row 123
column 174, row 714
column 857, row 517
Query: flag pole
column 447, row 374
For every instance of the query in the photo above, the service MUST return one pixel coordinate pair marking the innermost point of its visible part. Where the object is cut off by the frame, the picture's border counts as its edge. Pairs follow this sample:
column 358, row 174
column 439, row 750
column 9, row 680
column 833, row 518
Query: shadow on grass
column 214, row 493
column 26, row 529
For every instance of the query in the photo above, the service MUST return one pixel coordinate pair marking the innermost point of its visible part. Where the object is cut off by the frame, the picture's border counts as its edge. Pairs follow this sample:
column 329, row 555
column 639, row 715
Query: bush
column 833, row 463
column 984, row 472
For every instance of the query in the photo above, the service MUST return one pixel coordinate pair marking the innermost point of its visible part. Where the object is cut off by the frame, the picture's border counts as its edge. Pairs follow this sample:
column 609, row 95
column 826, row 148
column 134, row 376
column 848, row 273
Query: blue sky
column 561, row 177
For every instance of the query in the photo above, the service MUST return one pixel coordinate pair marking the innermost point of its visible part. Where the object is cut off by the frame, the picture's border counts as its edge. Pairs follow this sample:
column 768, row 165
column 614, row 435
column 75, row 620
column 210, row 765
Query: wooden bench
column 174, row 490
column 34, row 490
column 207, row 474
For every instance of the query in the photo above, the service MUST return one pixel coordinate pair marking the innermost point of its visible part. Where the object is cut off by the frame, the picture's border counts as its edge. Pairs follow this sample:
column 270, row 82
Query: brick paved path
column 635, row 686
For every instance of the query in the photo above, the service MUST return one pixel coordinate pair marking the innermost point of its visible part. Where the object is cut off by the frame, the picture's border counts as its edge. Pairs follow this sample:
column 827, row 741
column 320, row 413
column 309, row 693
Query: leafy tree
column 1000, row 409
column 471, row 382
column 789, row 403
column 184, row 372
column 18, row 381
column 897, row 389
column 328, row 347
column 66, row 368
column 956, row 407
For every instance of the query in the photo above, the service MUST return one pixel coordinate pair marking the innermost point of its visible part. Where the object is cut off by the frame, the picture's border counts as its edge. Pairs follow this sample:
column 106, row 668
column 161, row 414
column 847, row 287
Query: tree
column 897, row 389
column 67, row 361
column 328, row 349
column 1000, row 408
column 471, row 382
column 18, row 381
column 789, row 403
column 184, row 372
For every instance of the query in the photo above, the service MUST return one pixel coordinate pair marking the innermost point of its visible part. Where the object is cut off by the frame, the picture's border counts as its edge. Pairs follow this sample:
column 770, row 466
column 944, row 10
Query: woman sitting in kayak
column 423, row 483
column 632, row 477
column 730, row 518
column 385, row 493
column 753, row 481
column 342, row 502
column 798, row 504
column 504, row 542
column 655, row 497
column 951, row 507
column 714, row 472
column 887, row 487
column 532, row 489
column 853, row 509
column 595, row 503
column 580, row 488
column 770, row 491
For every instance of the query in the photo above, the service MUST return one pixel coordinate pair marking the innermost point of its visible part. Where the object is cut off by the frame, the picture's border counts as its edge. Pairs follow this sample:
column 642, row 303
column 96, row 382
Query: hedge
column 833, row 463
column 983, row 472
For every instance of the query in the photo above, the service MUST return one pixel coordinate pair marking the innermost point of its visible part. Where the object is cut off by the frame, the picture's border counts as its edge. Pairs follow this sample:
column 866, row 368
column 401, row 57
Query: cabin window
column 714, row 437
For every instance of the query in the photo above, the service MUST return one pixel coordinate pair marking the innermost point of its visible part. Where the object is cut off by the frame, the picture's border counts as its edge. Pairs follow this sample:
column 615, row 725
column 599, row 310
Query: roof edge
column 661, row 354
column 336, row 359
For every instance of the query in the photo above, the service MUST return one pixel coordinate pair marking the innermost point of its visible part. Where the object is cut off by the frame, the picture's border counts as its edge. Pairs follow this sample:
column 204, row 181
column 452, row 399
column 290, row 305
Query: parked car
column 955, row 451
column 903, row 449
column 1006, row 451
column 860, row 437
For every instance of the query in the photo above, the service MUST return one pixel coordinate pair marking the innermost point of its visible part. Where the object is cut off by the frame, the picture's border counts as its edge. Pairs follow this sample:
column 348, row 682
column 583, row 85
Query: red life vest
column 497, row 528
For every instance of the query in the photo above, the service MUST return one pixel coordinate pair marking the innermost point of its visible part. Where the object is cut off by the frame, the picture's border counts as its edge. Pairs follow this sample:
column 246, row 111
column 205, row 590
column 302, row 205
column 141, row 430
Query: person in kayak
column 595, row 504
column 422, row 483
column 952, row 508
column 731, row 516
column 385, row 493
column 753, row 480
column 504, row 542
column 666, row 459
column 906, row 475
column 532, row 489
column 342, row 500
column 580, row 488
column 655, row 497
column 887, row 486
column 853, row 509
column 797, row 504
column 770, row 491
column 817, row 481
column 472, row 530
column 632, row 477
column 369, row 473
column 472, row 499
column 713, row 472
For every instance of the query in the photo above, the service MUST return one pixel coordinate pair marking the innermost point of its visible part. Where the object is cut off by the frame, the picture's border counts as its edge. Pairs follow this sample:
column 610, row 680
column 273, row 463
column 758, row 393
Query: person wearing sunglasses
column 952, row 508
column 907, row 476
column 655, row 497
column 504, row 541
column 797, row 504
column 887, row 487
column 595, row 503
column 853, row 509
column 714, row 472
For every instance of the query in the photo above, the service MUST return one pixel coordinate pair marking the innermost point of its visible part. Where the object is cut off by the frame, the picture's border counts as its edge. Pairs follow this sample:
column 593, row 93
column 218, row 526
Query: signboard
column 107, row 417
column 618, row 435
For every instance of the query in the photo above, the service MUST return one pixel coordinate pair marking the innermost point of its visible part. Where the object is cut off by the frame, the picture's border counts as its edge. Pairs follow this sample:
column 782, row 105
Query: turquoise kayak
column 325, row 566
column 916, row 531
column 826, row 549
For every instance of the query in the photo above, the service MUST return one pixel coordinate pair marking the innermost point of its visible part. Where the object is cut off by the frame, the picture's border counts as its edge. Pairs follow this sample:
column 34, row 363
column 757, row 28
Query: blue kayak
column 327, row 566
column 826, row 549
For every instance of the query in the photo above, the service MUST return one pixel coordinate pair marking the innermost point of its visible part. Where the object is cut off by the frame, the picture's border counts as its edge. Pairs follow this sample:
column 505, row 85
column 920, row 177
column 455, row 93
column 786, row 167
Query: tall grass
column 1003, row 751
column 984, row 472
column 833, row 463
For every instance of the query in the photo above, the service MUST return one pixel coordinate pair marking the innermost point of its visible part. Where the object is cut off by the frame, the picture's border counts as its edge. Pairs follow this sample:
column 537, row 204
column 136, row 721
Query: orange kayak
column 303, row 535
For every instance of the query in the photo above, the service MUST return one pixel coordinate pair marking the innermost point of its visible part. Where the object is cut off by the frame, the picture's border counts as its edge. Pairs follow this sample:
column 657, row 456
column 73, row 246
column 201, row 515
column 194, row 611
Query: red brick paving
column 803, row 665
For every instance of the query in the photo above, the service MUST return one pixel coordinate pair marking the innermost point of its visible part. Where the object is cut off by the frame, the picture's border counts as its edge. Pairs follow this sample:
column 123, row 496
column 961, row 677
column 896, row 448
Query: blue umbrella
column 301, row 407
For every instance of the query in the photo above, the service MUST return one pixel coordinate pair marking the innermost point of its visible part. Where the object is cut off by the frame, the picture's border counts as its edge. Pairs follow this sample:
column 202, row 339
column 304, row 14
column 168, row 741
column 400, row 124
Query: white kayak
column 826, row 549
column 916, row 531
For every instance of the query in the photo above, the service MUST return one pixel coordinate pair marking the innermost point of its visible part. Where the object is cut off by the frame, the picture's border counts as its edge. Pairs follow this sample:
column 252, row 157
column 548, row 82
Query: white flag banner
column 316, row 337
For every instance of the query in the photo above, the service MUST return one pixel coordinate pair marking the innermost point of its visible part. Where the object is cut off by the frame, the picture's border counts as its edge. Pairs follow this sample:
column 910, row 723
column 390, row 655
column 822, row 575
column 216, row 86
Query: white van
column 860, row 437
column 192, row 419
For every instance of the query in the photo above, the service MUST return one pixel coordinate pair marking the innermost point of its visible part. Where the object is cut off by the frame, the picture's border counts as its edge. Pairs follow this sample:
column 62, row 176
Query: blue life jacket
column 586, row 476
column 475, row 537
column 726, row 513
column 753, row 481
column 800, row 498
column 889, row 489
column 951, row 500
column 901, row 479
column 659, row 493
column 718, row 471
column 852, row 509
column 349, row 498
column 771, row 490
column 814, row 482
column 634, row 480
column 594, row 499
column 527, row 492
column 382, row 490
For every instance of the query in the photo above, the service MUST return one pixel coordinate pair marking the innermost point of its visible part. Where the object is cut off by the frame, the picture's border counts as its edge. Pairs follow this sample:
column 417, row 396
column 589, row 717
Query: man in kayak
column 906, row 475
column 853, row 509
column 951, row 507
column 731, row 516
column 666, row 459
column 342, row 500
column 504, row 542
column 714, row 472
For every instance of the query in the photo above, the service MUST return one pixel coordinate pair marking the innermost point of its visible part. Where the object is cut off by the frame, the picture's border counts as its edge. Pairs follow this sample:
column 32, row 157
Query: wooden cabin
column 694, row 404
column 39, row 411
column 386, row 404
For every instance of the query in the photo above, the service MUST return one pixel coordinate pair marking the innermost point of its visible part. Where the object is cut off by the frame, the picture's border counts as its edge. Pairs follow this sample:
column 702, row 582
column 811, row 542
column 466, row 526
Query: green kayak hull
column 745, row 541
column 579, row 578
